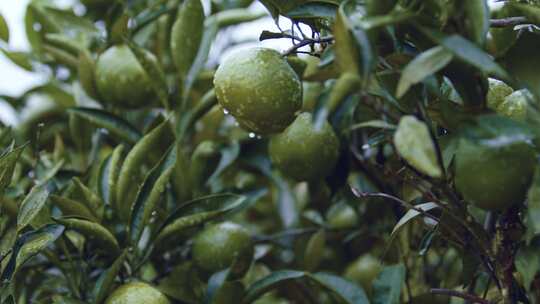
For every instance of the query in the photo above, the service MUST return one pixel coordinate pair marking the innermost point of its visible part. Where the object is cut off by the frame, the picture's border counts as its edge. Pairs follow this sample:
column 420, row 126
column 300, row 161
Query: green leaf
column 4, row 29
column 129, row 173
column 376, row 124
column 32, row 205
column 313, row 10
column 182, row 284
column 521, row 61
column 92, row 200
column 29, row 245
column 347, row 291
column 71, row 207
column 109, row 176
column 273, row 280
column 156, row 75
column 105, row 282
column 413, row 142
column 150, row 193
column 94, row 231
column 467, row 51
column 476, row 19
column 411, row 215
column 199, row 211
column 422, row 66
column 186, row 36
column 314, row 250
column 345, row 49
column 7, row 166
column 22, row 59
column 387, row 286
column 114, row 124
column 236, row 16
column 86, row 70
column 210, row 32
column 527, row 263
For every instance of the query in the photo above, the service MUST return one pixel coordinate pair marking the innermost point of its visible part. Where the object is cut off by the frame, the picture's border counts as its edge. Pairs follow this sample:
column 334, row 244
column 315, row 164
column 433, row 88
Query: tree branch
column 510, row 21
column 458, row 294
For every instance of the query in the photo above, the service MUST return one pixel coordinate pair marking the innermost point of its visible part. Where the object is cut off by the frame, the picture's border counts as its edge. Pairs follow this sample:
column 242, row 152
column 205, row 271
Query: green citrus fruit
column 259, row 88
column 363, row 271
column 494, row 174
column 515, row 105
column 497, row 92
column 341, row 216
column 217, row 246
column 121, row 80
column 137, row 293
column 304, row 153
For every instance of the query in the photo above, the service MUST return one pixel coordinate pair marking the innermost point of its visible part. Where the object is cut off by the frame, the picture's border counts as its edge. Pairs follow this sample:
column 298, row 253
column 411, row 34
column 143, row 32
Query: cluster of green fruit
column 494, row 170
column 263, row 92
column 215, row 248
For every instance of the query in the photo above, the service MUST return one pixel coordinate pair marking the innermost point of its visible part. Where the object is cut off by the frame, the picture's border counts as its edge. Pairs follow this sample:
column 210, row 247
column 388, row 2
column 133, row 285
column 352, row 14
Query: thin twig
column 510, row 21
column 306, row 42
column 396, row 199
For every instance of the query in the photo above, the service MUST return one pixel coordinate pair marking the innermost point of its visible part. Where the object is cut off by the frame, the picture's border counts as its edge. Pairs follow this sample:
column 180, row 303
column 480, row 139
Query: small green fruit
column 494, row 174
column 217, row 246
column 121, row 80
column 303, row 153
column 137, row 293
column 497, row 92
column 259, row 88
column 363, row 271
column 515, row 105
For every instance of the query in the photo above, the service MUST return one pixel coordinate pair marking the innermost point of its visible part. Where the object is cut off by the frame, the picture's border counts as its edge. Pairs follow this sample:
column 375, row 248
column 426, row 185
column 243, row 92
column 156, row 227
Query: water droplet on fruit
column 252, row 135
column 225, row 112
column 365, row 146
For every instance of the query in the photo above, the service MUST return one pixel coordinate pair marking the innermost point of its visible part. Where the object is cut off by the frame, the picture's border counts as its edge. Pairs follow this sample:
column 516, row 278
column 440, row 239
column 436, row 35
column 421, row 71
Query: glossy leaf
column 210, row 32
column 156, row 75
column 111, row 179
column 199, row 211
column 71, row 207
column 422, row 66
column 387, row 286
column 411, row 215
column 114, row 124
column 260, row 287
column 347, row 291
column 28, row 245
column 477, row 20
column 468, row 52
column 128, row 174
column 93, row 231
column 186, row 36
column 32, row 205
column 150, row 193
column 7, row 165
column 105, row 282
column 413, row 142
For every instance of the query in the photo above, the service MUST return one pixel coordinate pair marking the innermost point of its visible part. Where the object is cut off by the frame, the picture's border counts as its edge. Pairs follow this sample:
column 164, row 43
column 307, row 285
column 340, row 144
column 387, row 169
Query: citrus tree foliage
column 390, row 155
